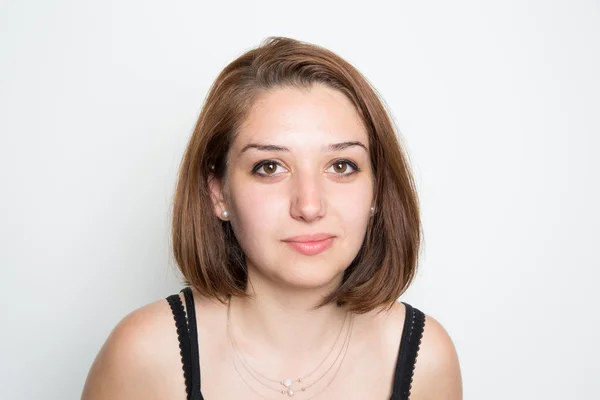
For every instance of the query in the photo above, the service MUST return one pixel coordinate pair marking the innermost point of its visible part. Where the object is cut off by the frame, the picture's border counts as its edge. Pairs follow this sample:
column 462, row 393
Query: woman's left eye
column 340, row 167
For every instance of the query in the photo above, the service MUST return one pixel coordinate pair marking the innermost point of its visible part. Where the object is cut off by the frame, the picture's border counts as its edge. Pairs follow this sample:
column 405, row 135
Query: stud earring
column 372, row 210
column 224, row 214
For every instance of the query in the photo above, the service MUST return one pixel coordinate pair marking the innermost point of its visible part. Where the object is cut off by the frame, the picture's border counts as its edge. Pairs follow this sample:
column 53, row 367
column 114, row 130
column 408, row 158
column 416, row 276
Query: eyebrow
column 331, row 147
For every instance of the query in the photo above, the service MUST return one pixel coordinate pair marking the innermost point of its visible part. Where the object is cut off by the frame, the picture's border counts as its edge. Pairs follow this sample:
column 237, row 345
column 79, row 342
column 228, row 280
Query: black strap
column 412, row 333
column 193, row 337
column 187, row 334
column 184, row 343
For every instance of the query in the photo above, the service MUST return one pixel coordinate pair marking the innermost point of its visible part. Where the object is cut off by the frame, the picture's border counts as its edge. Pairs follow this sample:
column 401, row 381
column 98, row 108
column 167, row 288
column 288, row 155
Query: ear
column 217, row 197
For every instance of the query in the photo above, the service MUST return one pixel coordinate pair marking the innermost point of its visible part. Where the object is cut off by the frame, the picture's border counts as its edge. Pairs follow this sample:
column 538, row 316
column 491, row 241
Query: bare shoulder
column 437, row 371
column 140, row 358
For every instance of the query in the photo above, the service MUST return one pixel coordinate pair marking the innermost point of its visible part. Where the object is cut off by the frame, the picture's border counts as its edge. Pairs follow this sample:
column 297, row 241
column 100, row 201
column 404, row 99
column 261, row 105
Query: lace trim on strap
column 193, row 339
column 410, row 343
column 415, row 334
column 184, row 343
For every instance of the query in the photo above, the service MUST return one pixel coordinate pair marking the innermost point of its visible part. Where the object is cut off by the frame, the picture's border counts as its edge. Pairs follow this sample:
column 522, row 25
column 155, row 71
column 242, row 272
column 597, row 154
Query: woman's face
column 299, row 186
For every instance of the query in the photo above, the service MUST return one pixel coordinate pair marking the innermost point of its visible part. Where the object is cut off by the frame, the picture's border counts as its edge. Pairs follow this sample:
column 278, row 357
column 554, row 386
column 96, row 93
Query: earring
column 372, row 210
column 224, row 214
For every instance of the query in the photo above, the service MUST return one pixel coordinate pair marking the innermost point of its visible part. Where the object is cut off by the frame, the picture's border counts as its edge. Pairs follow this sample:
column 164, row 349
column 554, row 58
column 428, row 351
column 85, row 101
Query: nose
column 308, row 197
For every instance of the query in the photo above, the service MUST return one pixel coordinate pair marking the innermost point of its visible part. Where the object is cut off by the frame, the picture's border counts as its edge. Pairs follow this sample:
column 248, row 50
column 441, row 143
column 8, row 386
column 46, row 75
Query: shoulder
column 142, row 347
column 437, row 370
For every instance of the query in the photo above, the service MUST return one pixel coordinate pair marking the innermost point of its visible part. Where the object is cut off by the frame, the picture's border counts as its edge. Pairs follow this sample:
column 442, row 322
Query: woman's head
column 293, row 141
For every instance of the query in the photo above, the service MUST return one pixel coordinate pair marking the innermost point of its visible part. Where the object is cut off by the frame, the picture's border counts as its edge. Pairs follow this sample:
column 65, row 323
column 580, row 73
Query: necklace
column 288, row 381
column 292, row 392
column 345, row 349
column 286, row 384
column 289, row 390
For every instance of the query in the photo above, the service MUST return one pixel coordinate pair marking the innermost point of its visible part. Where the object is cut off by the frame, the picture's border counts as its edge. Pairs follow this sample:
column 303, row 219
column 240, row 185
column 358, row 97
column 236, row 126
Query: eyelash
column 260, row 164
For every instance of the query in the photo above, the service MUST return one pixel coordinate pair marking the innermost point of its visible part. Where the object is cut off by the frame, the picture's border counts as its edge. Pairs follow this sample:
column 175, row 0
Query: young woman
column 296, row 226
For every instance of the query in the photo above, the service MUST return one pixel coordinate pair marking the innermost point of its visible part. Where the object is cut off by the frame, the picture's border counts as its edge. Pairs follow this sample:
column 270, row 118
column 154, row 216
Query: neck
column 284, row 320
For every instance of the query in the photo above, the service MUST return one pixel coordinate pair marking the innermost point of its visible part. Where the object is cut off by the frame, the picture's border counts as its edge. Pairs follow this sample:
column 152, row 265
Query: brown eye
column 343, row 168
column 269, row 168
column 340, row 167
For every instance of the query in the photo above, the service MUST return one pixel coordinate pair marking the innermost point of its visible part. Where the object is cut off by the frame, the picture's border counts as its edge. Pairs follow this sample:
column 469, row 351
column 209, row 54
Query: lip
column 310, row 244
column 316, row 237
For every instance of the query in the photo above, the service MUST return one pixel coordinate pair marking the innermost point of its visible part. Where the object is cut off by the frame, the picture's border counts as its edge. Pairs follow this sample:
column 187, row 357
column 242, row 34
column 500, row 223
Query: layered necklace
column 287, row 386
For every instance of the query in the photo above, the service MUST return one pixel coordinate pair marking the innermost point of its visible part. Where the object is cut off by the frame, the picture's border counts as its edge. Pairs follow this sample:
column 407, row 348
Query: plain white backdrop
column 497, row 104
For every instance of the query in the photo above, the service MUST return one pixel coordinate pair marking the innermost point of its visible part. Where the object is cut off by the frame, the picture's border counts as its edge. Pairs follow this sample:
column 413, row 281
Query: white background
column 497, row 104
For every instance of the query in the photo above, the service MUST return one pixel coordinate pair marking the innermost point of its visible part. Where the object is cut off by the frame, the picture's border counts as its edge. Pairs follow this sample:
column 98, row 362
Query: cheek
column 352, row 209
column 258, row 210
column 353, row 202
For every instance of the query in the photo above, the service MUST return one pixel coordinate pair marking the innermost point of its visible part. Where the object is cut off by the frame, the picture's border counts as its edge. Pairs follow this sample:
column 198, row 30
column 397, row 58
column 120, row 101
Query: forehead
column 292, row 117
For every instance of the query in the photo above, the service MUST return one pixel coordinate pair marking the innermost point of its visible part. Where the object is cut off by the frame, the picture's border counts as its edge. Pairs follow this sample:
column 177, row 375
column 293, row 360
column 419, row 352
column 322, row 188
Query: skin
column 305, row 189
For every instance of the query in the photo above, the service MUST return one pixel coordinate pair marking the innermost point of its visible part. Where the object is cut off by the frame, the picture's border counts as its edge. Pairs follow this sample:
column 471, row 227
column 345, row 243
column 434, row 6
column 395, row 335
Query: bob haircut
column 205, row 247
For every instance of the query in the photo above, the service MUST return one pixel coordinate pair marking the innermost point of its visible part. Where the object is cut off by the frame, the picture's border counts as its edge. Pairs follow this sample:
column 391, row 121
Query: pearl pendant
column 287, row 382
column 291, row 392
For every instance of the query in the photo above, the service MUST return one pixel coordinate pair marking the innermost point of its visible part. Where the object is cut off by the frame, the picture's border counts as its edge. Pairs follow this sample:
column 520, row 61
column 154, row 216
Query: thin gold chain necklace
column 289, row 382
column 229, row 324
column 345, row 350
column 290, row 391
column 286, row 384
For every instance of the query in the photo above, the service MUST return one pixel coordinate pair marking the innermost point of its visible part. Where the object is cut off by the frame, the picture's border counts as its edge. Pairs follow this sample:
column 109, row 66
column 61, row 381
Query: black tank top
column 188, row 345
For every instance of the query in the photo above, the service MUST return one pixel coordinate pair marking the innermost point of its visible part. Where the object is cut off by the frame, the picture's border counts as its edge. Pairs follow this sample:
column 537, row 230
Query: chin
column 300, row 272
column 310, row 276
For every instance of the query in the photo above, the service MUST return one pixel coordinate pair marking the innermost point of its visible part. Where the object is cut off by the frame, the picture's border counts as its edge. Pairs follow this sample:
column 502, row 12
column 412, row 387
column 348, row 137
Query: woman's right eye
column 266, row 168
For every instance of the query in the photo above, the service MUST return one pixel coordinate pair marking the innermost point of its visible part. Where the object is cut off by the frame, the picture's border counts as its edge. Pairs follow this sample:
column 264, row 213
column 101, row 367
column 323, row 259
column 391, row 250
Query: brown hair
column 205, row 248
